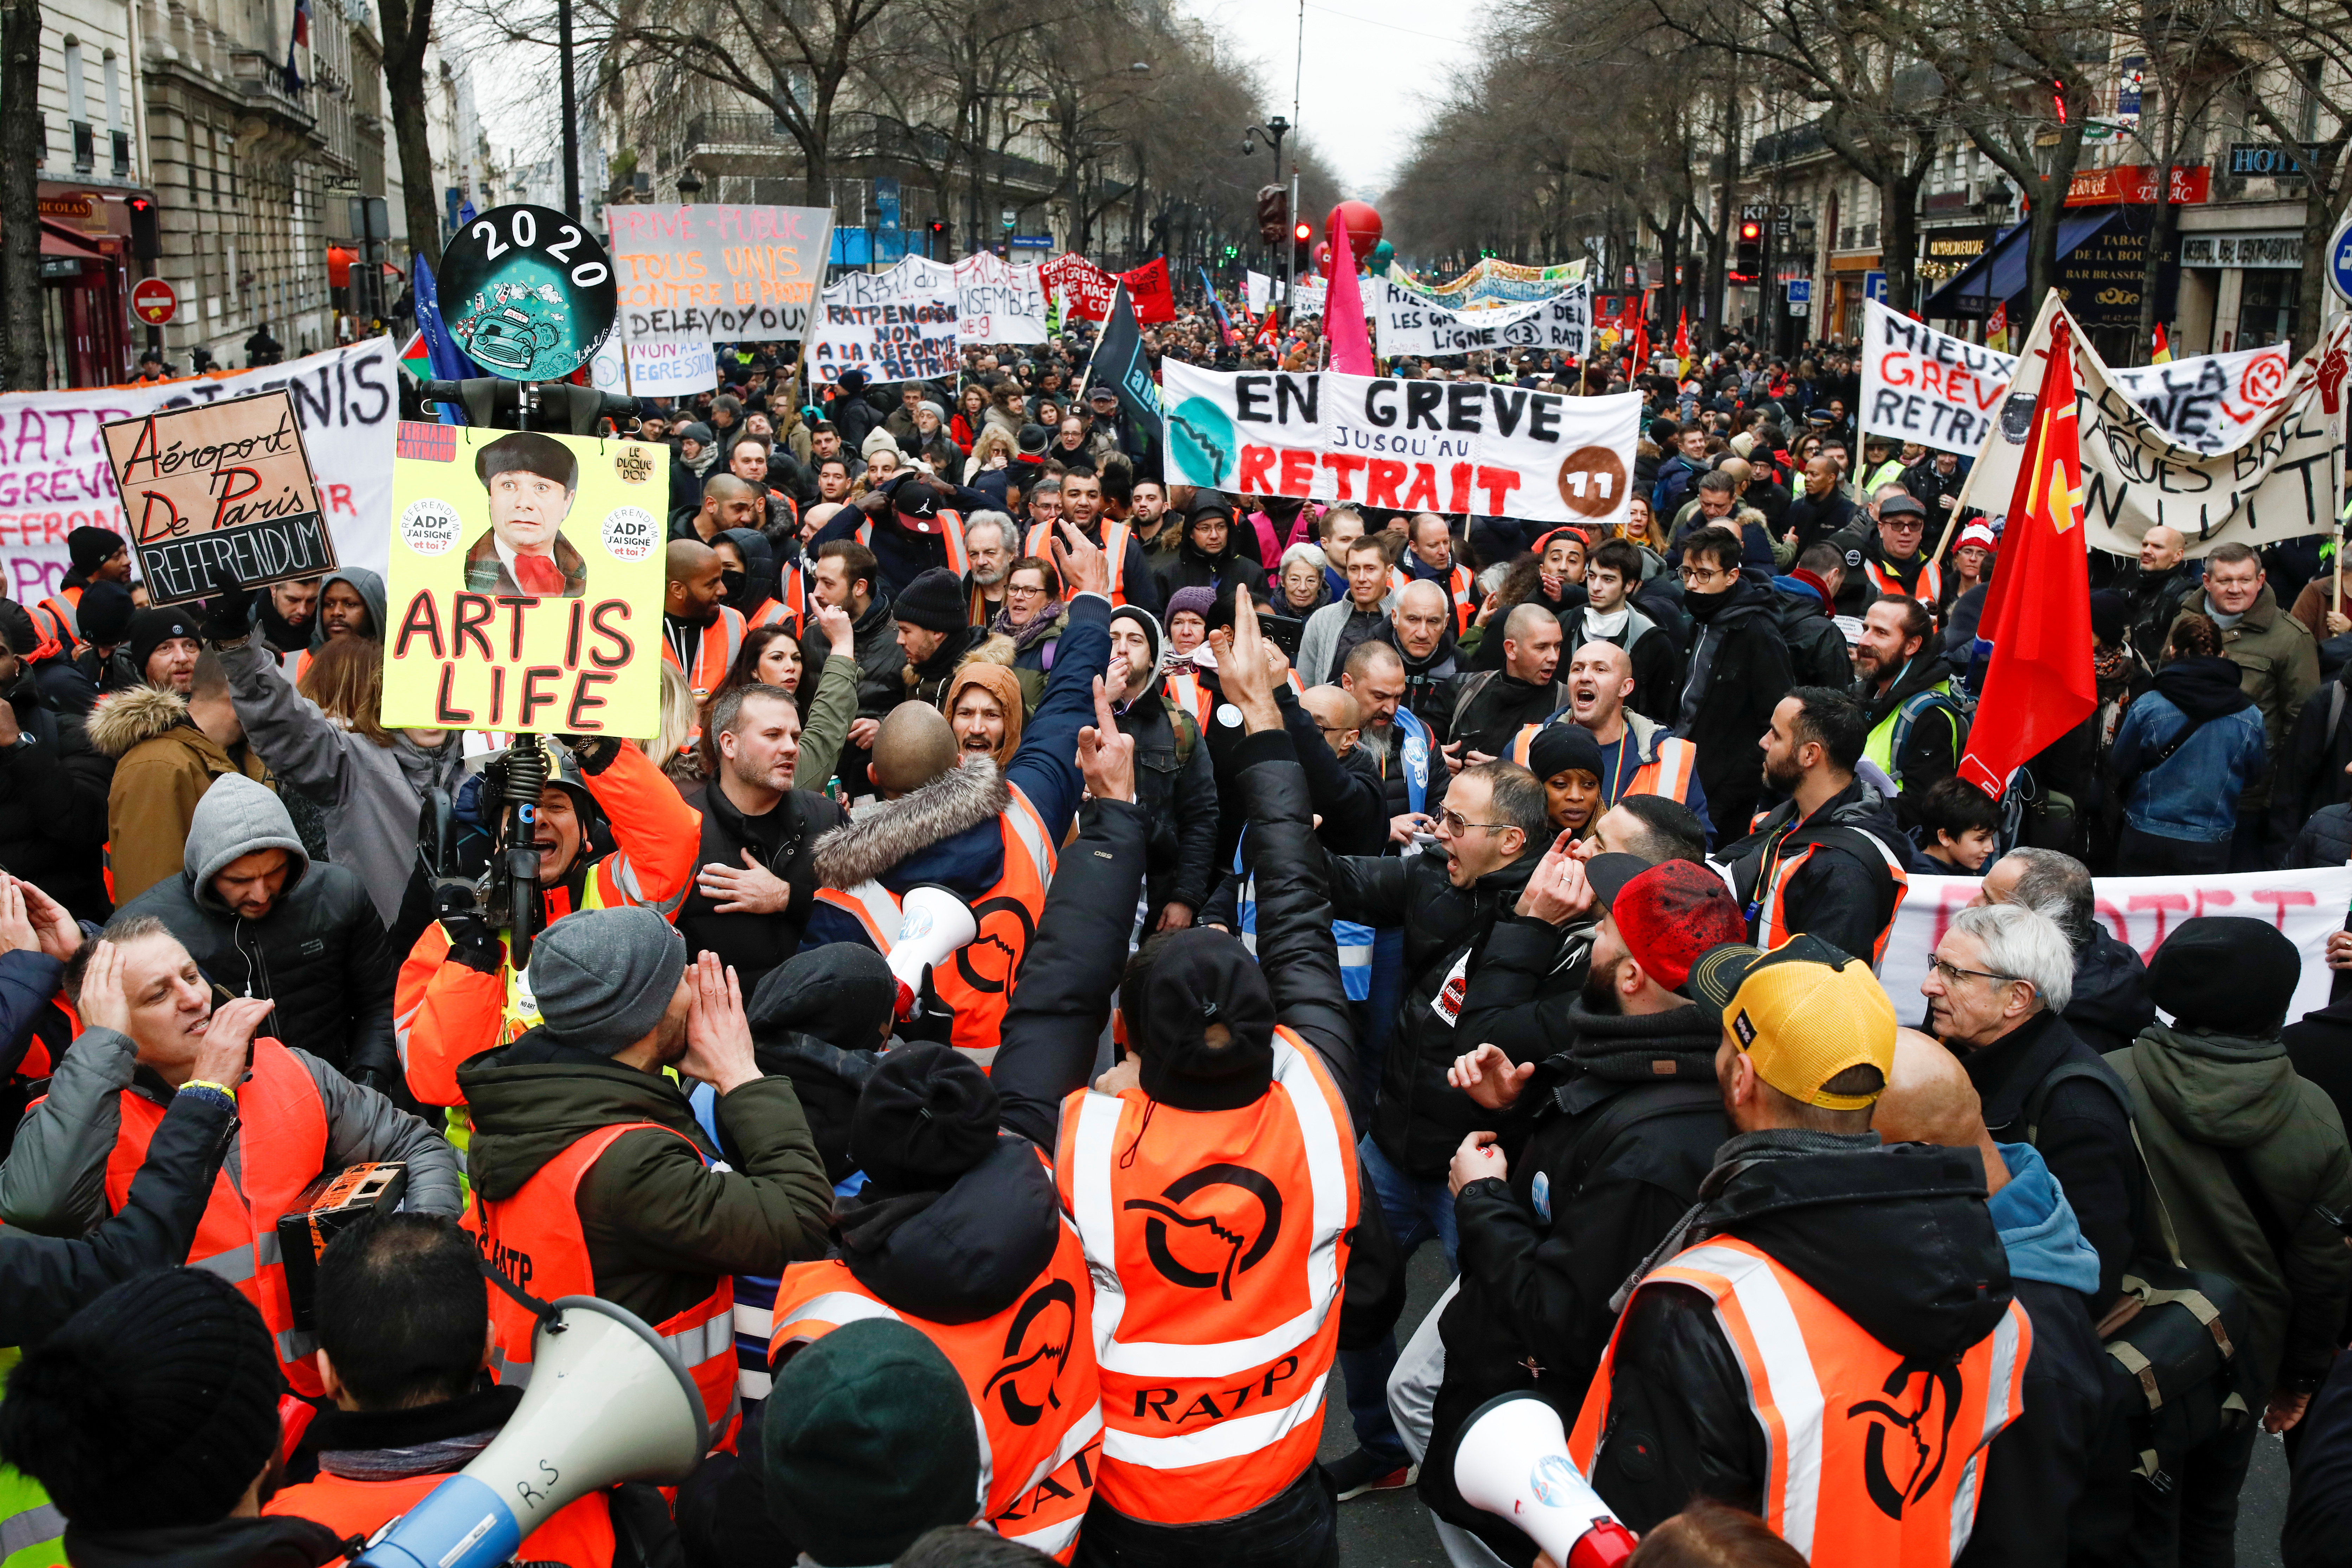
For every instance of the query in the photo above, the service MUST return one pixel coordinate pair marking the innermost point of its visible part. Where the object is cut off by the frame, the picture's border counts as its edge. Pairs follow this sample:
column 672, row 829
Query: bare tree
column 23, row 357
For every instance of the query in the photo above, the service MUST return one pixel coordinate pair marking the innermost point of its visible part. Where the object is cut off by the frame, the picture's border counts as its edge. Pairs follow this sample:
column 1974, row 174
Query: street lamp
column 689, row 184
column 1274, row 130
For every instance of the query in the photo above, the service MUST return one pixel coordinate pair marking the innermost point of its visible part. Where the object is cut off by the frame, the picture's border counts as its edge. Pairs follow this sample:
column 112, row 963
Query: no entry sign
column 153, row 303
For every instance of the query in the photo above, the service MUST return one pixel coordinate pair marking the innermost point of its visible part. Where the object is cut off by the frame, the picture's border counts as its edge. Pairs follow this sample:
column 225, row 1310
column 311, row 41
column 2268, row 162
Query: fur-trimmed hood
column 125, row 718
column 884, row 835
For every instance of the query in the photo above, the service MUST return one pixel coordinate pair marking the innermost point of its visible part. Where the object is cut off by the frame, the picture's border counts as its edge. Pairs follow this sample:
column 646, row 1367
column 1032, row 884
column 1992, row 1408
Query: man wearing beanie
column 935, row 633
column 1866, row 1262
column 958, row 1233
column 1602, row 1144
column 99, row 554
column 593, row 1174
column 72, row 685
column 2248, row 1162
column 151, row 1419
column 986, row 835
column 869, row 1443
column 1176, row 786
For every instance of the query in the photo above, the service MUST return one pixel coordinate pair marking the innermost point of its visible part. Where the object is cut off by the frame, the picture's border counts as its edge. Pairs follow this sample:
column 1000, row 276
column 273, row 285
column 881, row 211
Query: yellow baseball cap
column 1803, row 1013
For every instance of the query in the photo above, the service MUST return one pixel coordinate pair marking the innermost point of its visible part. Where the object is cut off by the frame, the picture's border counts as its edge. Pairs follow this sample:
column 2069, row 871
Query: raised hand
column 1107, row 757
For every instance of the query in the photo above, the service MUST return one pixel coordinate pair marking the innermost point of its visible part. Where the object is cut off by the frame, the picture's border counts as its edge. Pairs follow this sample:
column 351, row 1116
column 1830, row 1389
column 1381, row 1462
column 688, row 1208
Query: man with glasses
column 1998, row 980
column 1738, row 672
column 1889, row 559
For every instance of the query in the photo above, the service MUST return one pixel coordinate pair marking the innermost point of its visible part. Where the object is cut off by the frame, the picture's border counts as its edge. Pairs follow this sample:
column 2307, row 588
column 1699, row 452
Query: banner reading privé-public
column 1414, row 446
column 699, row 273
column 525, row 582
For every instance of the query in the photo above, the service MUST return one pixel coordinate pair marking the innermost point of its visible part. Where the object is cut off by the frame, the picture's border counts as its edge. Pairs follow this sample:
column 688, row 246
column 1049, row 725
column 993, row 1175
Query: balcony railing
column 1786, row 146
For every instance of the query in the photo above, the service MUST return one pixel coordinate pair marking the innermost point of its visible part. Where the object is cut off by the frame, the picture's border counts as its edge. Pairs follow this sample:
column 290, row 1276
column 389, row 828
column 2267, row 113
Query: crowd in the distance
column 1317, row 883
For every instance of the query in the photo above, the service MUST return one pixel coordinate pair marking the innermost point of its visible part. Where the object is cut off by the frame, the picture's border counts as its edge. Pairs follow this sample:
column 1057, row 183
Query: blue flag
column 1216, row 305
column 450, row 362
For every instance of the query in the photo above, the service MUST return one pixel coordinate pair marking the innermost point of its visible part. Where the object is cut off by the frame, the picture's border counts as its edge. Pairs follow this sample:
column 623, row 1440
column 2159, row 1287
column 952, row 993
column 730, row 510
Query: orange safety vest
column 1874, row 1461
column 579, row 1536
column 1772, row 919
column 534, row 1239
column 1460, row 587
column 1185, row 690
column 300, row 667
column 979, row 982
column 1930, row 586
column 950, row 535
column 281, row 1151
column 1669, row 773
column 1114, row 548
column 714, row 655
column 1218, row 1241
column 58, row 620
column 1030, row 1370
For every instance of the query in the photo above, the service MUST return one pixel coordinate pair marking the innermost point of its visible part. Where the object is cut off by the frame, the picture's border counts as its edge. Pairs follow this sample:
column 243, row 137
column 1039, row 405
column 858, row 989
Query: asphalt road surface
column 1391, row 1530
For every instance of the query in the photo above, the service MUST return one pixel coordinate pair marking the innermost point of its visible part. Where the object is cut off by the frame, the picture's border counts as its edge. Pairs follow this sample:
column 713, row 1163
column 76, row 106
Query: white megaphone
column 607, row 1401
column 1513, row 1461
column 932, row 924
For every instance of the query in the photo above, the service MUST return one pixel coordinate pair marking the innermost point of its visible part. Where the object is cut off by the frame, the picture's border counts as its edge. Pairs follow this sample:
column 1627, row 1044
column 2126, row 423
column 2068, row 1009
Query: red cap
column 1671, row 913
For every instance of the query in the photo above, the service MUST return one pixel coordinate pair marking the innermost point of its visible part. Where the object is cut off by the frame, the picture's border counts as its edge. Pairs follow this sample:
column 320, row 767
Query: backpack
column 1818, row 652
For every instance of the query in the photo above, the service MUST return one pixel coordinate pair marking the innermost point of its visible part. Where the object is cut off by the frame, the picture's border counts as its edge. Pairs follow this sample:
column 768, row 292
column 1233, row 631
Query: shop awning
column 2000, row 273
column 59, row 241
column 339, row 265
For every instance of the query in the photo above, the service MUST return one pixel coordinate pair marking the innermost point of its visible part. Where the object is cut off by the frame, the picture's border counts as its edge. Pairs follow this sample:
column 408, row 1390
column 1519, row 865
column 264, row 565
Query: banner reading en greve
column 1441, row 446
column 525, row 590
column 896, row 326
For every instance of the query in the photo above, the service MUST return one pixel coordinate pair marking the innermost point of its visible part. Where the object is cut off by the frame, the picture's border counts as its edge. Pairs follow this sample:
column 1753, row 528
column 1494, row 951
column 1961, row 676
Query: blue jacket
column 2037, row 1225
column 2193, row 795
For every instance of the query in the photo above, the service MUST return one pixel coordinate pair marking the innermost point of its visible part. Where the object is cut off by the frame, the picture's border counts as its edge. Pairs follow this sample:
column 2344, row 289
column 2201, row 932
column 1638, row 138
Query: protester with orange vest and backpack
column 402, row 1308
column 1828, row 1339
column 591, row 1175
column 148, row 1018
column 1131, row 582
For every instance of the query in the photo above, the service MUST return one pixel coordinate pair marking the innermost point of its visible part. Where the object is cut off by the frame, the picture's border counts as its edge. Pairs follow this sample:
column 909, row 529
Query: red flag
column 2039, row 683
column 1640, row 346
column 1682, row 335
column 2163, row 355
column 1343, row 309
column 1148, row 291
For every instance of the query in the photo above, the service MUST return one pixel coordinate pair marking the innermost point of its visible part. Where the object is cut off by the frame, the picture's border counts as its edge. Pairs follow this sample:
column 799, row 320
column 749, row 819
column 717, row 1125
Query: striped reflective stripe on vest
column 1354, row 940
column 32, row 1530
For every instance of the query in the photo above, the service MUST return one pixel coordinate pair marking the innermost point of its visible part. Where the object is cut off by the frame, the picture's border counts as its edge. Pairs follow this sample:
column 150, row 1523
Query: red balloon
column 1363, row 223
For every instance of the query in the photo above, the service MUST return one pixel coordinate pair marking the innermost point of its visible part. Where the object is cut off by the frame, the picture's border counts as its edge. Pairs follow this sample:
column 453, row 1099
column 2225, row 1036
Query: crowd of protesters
column 1340, row 881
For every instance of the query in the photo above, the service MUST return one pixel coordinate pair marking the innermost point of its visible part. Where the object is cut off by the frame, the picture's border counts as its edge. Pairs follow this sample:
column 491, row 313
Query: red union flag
column 2039, row 682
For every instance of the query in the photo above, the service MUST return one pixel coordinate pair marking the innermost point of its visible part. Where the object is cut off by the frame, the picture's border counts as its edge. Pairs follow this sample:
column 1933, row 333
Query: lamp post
column 1287, row 258
column 689, row 184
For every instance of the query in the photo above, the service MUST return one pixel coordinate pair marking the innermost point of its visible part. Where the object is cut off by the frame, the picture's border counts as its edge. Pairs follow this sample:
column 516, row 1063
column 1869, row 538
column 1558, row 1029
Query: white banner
column 2282, row 478
column 1257, row 289
column 1945, row 392
column 54, row 475
column 895, row 326
column 998, row 303
column 2139, row 911
column 1409, row 323
column 656, row 370
column 1309, row 295
column 709, row 271
column 1412, row 446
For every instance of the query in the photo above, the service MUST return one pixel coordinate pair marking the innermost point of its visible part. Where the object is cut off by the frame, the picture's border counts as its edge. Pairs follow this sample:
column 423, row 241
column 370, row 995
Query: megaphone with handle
column 932, row 924
column 1512, row 1460
column 607, row 1401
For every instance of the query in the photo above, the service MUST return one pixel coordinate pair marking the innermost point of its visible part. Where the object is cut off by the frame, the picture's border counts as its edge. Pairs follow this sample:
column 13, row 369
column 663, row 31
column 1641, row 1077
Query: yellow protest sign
column 525, row 582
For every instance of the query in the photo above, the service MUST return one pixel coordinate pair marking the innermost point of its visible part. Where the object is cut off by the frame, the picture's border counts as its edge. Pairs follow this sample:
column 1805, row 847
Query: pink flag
column 1343, row 311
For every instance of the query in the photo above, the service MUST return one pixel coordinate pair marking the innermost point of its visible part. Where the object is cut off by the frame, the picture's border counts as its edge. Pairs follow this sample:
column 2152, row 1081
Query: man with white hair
column 2111, row 1002
column 2000, row 980
column 988, row 541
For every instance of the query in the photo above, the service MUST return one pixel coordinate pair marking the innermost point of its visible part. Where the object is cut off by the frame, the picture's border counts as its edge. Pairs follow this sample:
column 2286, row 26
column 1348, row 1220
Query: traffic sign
column 1874, row 286
column 1006, row 218
column 152, row 301
column 2340, row 259
column 1800, row 290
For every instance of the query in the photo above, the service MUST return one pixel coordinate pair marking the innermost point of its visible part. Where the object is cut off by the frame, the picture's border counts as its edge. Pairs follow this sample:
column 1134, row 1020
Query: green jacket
column 660, row 1223
column 2198, row 1097
column 2278, row 666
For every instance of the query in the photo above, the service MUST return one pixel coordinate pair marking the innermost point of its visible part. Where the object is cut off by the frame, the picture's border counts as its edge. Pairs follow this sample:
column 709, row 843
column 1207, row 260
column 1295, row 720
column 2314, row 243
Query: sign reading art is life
column 219, row 494
column 528, row 293
column 525, row 582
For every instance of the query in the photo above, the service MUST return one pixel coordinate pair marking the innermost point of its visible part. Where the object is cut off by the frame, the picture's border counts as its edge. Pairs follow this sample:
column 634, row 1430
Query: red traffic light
column 1303, row 232
column 1751, row 231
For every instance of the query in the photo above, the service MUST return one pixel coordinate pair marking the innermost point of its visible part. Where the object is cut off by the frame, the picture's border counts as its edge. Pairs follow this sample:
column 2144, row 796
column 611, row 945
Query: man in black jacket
column 1738, row 674
column 2000, row 978
column 1447, row 901
column 1824, row 508
column 1491, row 706
column 757, row 877
column 1600, row 1150
column 1905, row 684
column 1823, row 861
column 2110, row 1004
column 262, row 920
column 1899, row 1260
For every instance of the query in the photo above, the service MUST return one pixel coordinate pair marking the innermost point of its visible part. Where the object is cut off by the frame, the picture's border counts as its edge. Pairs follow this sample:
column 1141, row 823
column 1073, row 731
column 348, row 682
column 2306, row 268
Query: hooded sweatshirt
column 368, row 585
column 319, row 953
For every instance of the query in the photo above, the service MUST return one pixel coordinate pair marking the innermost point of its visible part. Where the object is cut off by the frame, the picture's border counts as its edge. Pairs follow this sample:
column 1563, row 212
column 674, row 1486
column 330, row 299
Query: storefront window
column 2266, row 306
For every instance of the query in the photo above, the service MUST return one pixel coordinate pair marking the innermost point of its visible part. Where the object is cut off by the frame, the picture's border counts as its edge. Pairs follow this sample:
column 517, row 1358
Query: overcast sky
column 1372, row 69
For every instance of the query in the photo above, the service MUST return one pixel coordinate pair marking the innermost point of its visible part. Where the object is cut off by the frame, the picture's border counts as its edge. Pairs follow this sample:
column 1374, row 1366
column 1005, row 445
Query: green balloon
column 1384, row 252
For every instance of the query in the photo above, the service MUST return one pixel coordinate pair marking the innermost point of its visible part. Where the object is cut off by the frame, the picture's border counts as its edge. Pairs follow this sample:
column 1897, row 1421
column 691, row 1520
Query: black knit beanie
column 154, row 1406
column 934, row 602
column 926, row 1115
column 2226, row 973
column 1557, row 747
column 150, row 629
column 104, row 614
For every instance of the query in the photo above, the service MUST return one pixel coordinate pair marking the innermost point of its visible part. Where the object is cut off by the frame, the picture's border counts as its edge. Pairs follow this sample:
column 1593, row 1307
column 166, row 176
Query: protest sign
column 1440, row 446
column 1084, row 288
column 996, row 303
column 526, row 292
column 1258, row 291
column 1493, row 281
column 2282, row 479
column 219, row 494
column 2140, row 911
column 653, row 369
column 1942, row 391
column 690, row 274
column 896, row 326
column 1409, row 323
column 525, row 582
column 1149, row 293
column 1308, row 297
column 55, row 476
